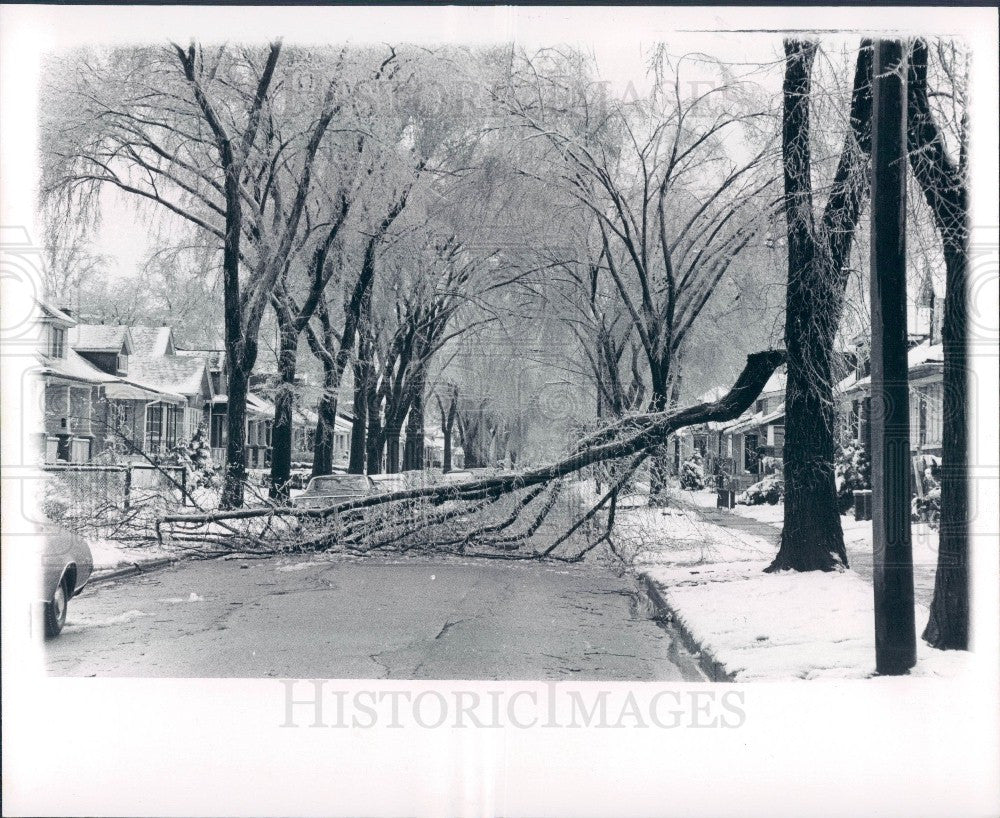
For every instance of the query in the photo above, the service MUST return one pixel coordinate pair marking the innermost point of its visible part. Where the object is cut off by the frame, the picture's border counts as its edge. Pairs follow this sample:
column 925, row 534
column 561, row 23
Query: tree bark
column 359, row 424
column 284, row 401
column 945, row 187
column 236, row 421
column 392, row 433
column 413, row 455
column 659, row 463
column 323, row 447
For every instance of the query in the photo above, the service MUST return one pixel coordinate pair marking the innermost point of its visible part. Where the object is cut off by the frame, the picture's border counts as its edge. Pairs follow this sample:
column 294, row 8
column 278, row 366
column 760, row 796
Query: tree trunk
column 413, row 454
column 948, row 626
column 659, row 463
column 375, row 443
column 392, row 434
column 281, row 430
column 811, row 538
column 447, row 426
column 236, row 426
column 359, row 426
column 944, row 184
column 326, row 423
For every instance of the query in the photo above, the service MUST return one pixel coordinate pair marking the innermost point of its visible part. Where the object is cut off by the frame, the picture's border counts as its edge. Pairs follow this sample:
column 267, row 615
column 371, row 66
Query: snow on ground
column 109, row 554
column 768, row 626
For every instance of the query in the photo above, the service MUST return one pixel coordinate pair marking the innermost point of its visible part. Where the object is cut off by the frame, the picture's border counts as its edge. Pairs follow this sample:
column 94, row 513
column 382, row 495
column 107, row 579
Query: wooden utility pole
column 895, row 633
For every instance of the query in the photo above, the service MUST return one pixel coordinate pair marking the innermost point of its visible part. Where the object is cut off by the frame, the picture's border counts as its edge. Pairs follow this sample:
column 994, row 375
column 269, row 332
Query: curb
column 710, row 666
column 132, row 570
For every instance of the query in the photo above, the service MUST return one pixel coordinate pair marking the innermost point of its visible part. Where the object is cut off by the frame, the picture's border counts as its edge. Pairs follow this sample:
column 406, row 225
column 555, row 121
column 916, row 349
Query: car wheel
column 55, row 611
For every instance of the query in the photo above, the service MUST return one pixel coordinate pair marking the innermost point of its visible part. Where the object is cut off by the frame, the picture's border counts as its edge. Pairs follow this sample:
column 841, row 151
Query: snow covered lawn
column 765, row 626
column 111, row 554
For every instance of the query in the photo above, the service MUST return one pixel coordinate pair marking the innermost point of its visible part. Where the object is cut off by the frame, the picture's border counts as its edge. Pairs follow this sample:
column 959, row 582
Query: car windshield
column 339, row 484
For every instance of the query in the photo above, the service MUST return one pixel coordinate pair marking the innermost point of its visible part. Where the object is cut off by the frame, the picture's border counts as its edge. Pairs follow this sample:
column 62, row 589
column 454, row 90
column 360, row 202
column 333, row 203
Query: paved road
column 403, row 619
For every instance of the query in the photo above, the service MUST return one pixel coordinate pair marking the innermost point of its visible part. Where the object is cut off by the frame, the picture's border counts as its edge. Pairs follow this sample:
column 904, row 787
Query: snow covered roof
column 925, row 356
column 74, row 367
column 169, row 373
column 54, row 314
column 712, row 395
column 215, row 358
column 152, row 341
column 101, row 338
column 776, row 383
column 259, row 406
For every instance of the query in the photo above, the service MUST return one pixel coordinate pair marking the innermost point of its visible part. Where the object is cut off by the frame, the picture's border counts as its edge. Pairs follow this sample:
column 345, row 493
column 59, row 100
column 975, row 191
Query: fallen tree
column 364, row 523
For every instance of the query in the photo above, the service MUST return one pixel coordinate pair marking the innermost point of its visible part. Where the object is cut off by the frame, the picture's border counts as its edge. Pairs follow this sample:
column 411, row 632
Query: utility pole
column 895, row 632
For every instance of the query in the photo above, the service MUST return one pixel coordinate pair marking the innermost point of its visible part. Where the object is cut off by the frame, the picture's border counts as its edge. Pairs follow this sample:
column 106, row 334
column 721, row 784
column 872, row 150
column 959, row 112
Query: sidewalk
column 707, row 565
column 765, row 522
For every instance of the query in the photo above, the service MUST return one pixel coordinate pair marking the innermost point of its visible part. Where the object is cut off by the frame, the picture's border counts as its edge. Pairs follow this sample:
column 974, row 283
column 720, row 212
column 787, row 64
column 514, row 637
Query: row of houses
column 751, row 446
column 116, row 392
column 113, row 392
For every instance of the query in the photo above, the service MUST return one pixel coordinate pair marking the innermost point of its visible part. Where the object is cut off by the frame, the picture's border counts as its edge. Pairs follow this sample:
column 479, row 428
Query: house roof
column 169, row 373
column 215, row 358
column 152, row 341
column 712, row 395
column 101, row 338
column 259, row 405
column 923, row 359
column 74, row 367
column 776, row 383
column 55, row 314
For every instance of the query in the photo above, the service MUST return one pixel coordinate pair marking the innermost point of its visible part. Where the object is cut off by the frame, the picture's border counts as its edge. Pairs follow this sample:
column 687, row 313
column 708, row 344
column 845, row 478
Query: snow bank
column 109, row 554
column 768, row 626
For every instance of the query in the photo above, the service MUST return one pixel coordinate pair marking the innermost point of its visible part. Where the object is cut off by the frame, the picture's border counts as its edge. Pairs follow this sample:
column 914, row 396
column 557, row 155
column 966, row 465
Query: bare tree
column 189, row 131
column 671, row 205
column 818, row 249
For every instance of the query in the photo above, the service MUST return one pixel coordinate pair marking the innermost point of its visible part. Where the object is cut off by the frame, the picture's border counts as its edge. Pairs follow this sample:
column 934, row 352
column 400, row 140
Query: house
column 71, row 387
column 753, row 444
column 925, row 364
column 304, row 436
column 157, row 399
column 130, row 392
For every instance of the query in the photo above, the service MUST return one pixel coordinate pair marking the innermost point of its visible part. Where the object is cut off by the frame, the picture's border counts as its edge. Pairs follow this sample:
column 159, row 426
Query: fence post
column 184, row 480
column 128, row 484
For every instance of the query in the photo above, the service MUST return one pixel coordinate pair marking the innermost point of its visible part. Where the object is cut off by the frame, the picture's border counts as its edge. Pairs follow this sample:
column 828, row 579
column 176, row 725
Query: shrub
column 196, row 457
column 853, row 473
column 693, row 473
column 927, row 508
column 769, row 490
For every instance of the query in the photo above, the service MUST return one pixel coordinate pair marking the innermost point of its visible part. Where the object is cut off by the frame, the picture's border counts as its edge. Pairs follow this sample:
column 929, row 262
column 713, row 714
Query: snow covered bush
column 770, row 490
column 196, row 457
column 693, row 473
column 853, row 473
column 926, row 506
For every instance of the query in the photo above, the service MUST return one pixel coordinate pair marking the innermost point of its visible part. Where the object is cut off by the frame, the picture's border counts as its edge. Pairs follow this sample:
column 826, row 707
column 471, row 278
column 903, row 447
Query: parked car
column 459, row 476
column 330, row 489
column 387, row 483
column 66, row 567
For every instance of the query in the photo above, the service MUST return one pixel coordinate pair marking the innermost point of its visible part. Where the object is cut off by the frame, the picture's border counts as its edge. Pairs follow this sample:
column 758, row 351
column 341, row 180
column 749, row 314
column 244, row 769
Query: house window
column 122, row 364
column 174, row 415
column 761, row 405
column 154, row 429
column 57, row 342
column 218, row 431
column 80, row 452
column 751, row 457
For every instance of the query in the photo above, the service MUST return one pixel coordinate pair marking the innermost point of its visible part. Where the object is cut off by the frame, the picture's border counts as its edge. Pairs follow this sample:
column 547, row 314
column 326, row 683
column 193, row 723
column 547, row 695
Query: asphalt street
column 420, row 618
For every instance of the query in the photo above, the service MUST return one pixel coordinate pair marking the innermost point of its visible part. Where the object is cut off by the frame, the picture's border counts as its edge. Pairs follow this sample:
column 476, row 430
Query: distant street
column 402, row 619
